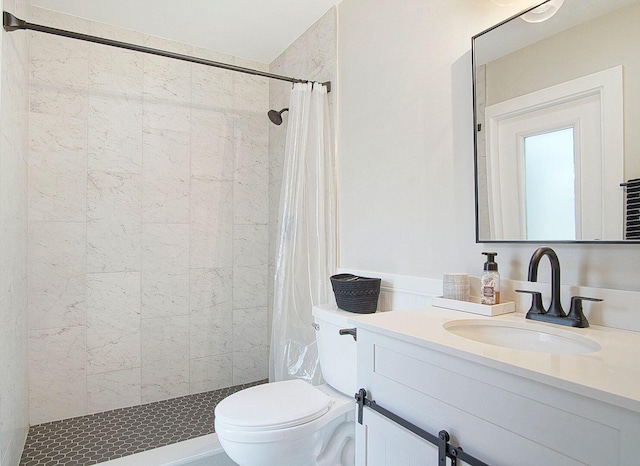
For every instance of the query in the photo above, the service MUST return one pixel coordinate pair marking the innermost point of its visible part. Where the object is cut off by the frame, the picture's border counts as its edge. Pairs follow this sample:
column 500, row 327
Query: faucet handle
column 576, row 314
column 536, row 302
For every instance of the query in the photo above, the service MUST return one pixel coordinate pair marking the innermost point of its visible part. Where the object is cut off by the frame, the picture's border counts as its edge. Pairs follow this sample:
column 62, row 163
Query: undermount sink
column 522, row 336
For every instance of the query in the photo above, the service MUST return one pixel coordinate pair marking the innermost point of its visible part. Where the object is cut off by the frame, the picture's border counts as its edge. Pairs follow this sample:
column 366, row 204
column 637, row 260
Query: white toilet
column 292, row 422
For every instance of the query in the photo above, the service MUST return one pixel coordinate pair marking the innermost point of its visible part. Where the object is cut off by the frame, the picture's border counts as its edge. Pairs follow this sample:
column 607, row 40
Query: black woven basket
column 356, row 294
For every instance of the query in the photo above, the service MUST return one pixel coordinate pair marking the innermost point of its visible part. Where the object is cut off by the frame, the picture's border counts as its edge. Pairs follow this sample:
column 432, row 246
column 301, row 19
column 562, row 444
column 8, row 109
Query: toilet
column 293, row 422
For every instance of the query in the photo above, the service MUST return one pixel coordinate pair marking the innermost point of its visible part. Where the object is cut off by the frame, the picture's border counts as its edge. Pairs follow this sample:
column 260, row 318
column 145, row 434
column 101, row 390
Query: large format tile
column 165, row 358
column 112, row 350
column 114, row 198
column 211, row 227
column 162, row 115
column 57, row 374
column 167, row 79
column 165, row 177
column 251, row 171
column 210, row 373
column 113, row 390
column 115, row 72
column 212, row 145
column 161, row 381
column 212, row 88
column 166, row 154
column 114, row 134
column 251, row 93
column 113, row 321
column 250, row 288
column 113, row 222
column 165, row 247
column 252, row 140
column 57, row 274
column 165, row 201
column 14, row 140
column 164, row 293
column 211, row 312
column 57, row 168
column 149, row 213
column 59, row 60
column 250, row 345
column 7, row 387
column 165, row 270
column 53, row 99
column 9, row 199
column 165, row 339
column 250, row 244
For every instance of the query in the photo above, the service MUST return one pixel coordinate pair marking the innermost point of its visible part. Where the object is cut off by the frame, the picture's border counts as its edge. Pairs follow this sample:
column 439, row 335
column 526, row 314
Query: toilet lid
column 275, row 405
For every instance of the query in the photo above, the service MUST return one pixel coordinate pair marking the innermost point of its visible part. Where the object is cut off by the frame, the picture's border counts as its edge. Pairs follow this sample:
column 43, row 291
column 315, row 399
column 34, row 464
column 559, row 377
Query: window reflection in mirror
column 549, row 178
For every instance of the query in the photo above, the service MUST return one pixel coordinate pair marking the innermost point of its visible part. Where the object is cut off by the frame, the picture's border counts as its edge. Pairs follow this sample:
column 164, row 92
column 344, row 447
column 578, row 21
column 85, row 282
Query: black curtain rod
column 12, row 23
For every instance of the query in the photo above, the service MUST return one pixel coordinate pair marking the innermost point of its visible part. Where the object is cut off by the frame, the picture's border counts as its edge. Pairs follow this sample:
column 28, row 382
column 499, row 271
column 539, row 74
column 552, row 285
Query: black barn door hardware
column 445, row 449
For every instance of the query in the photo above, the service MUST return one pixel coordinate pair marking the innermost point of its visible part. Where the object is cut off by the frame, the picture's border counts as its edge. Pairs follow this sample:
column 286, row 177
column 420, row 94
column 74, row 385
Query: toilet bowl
column 287, row 423
column 293, row 422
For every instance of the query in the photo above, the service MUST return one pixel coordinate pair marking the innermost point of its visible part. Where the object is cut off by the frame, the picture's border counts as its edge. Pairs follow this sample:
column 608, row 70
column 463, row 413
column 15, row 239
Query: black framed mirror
column 556, row 95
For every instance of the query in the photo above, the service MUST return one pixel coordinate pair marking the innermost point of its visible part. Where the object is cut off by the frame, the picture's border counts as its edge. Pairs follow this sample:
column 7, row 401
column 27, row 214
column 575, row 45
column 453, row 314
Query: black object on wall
column 276, row 116
column 632, row 222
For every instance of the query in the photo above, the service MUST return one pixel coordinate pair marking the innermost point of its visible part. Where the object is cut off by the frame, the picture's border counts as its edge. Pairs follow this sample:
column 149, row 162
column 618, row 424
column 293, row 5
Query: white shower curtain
column 306, row 236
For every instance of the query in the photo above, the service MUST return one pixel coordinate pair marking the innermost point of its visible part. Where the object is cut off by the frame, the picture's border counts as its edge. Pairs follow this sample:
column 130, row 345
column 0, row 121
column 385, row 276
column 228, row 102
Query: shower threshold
column 105, row 436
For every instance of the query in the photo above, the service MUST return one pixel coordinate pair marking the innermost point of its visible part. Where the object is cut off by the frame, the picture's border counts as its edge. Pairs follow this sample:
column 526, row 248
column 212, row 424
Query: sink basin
column 522, row 336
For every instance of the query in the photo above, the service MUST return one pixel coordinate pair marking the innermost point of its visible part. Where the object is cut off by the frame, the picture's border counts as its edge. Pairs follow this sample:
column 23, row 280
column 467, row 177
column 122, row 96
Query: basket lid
column 348, row 277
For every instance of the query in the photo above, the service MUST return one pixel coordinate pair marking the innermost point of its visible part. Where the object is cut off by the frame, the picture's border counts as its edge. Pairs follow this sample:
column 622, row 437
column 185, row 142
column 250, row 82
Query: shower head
column 276, row 117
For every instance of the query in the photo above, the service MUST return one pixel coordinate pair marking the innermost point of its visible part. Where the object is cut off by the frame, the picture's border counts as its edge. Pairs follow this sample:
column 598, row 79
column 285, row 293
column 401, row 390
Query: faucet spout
column 555, row 308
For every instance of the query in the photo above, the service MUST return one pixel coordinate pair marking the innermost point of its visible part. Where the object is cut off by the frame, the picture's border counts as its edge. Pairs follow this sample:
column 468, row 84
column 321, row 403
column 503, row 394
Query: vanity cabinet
column 496, row 413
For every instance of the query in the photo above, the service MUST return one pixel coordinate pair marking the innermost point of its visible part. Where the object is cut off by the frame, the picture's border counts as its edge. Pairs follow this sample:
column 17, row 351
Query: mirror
column 556, row 116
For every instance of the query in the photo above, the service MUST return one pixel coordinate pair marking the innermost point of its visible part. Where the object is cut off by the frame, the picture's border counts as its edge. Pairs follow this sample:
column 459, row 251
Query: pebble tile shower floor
column 113, row 434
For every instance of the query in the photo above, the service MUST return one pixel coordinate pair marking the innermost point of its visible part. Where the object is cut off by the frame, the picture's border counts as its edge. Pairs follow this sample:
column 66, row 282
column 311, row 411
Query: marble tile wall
column 148, row 223
column 14, row 111
column 312, row 56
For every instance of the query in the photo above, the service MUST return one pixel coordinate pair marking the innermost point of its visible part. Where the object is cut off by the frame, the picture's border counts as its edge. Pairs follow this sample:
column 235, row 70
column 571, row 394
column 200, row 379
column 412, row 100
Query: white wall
column 14, row 83
column 405, row 148
column 148, row 223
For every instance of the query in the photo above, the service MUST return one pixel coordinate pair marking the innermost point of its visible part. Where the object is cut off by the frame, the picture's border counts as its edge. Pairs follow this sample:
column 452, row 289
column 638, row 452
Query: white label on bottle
column 488, row 295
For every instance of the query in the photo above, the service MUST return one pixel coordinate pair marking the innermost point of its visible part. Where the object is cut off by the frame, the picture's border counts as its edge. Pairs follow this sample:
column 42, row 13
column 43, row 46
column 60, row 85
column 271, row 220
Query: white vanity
column 503, row 406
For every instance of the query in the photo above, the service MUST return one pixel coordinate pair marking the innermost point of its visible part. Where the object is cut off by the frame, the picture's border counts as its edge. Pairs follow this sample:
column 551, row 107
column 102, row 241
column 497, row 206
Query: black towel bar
column 632, row 223
column 445, row 449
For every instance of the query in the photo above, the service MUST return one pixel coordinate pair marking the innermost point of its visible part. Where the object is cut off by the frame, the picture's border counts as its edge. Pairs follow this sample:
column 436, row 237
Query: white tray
column 473, row 306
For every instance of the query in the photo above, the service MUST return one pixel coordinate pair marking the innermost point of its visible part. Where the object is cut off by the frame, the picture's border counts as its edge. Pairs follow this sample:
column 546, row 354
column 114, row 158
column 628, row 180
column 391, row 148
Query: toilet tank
column 337, row 352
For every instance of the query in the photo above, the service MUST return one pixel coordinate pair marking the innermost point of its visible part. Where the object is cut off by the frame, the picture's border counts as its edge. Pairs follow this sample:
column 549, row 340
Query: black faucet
column 555, row 308
column 555, row 314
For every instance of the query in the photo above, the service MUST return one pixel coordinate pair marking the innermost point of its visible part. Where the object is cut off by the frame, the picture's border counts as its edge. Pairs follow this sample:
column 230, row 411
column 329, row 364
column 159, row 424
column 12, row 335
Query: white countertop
column 611, row 375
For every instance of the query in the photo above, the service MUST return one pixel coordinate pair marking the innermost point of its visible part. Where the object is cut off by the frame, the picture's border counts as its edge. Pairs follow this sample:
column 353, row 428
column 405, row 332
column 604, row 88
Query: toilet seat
column 293, row 422
column 273, row 406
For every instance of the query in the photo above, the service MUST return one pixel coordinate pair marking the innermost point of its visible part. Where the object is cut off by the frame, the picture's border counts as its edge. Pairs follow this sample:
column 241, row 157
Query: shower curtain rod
column 12, row 23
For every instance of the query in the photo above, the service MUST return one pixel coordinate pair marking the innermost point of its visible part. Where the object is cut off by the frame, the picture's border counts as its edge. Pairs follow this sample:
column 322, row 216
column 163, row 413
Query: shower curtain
column 306, row 236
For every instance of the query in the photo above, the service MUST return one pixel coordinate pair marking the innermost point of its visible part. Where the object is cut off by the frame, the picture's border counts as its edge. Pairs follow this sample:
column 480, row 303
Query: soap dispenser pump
column 490, row 281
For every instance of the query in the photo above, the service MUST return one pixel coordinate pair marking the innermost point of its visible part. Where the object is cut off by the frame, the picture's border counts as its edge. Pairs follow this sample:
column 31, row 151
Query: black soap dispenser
column 490, row 281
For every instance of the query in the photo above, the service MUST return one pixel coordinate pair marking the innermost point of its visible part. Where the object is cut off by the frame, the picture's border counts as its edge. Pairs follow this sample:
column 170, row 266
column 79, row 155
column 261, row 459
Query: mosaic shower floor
column 113, row 434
